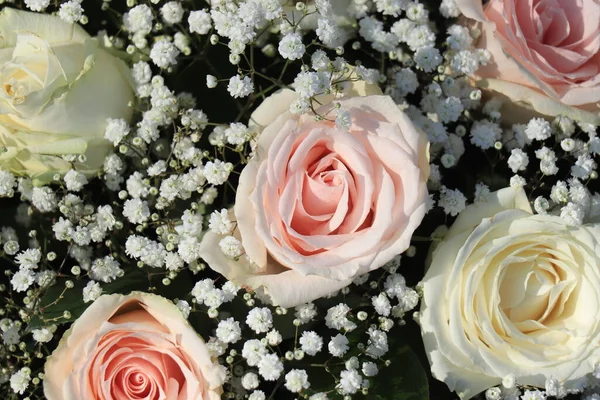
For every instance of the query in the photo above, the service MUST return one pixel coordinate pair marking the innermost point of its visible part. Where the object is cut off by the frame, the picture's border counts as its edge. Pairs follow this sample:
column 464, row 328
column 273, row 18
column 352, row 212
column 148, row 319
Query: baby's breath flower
column 138, row 19
column 257, row 395
column 19, row 381
column 240, row 86
column 172, row 12
column 250, row 381
column 71, row 11
column 538, row 129
column 22, row 280
column 37, row 5
column 350, row 381
column 42, row 335
column 311, row 343
column 270, row 367
column 291, row 46
column 428, row 58
column 338, row 346
column 485, row 133
column 231, row 247
column 452, row 201
column 343, row 120
column 296, row 380
column 260, row 320
column 91, row 291
column 518, row 160
column 164, row 53
column 136, row 211
column 229, row 331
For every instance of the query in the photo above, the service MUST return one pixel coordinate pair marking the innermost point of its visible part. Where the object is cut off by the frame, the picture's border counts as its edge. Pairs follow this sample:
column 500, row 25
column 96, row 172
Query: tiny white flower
column 240, row 86
column 19, row 381
column 220, row 223
column 91, row 291
column 229, row 331
column 250, row 381
column 260, row 320
column 136, row 211
column 44, row 199
column 116, row 130
column 573, row 214
column 253, row 351
column 199, row 22
column 336, row 318
column 493, row 393
column 518, row 160
column 273, row 337
column 369, row 368
column 184, row 307
column 257, row 395
column 37, row 5
column 172, row 12
column 509, row 381
column 291, row 46
column 71, row 11
column 231, row 247
column 310, row 342
column 343, row 120
column 296, row 380
column 338, row 346
column 452, row 201
column 538, row 129
column 42, row 335
column 75, row 180
column 381, row 304
column 541, row 205
column 164, row 53
column 22, row 280
column 270, row 367
column 517, row 182
column 350, row 381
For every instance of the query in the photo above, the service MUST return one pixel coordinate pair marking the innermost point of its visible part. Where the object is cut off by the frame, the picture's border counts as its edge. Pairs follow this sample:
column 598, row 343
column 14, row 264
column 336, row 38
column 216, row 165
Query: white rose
column 510, row 292
column 57, row 88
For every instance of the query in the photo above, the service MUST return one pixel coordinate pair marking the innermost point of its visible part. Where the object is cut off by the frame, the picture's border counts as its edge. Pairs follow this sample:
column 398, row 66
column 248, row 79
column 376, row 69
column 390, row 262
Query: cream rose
column 318, row 206
column 137, row 346
column 545, row 54
column 510, row 292
column 57, row 88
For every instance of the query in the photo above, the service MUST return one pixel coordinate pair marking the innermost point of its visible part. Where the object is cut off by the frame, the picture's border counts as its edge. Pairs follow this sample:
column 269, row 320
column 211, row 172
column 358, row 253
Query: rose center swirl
column 534, row 292
column 135, row 384
column 327, row 193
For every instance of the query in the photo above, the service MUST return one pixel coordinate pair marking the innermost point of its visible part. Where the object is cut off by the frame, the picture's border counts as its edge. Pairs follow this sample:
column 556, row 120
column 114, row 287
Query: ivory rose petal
column 317, row 206
column 132, row 346
column 58, row 87
column 510, row 292
column 545, row 54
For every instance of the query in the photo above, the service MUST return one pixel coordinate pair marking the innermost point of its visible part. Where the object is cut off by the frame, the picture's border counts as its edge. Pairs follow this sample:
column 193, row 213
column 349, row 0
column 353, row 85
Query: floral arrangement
column 323, row 199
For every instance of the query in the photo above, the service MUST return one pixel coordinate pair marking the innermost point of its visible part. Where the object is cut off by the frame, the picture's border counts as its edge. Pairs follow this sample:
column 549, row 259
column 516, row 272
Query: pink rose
column 132, row 347
column 318, row 206
column 545, row 53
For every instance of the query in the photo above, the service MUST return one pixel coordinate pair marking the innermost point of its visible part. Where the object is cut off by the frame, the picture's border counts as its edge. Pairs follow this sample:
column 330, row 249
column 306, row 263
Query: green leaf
column 404, row 379
column 56, row 300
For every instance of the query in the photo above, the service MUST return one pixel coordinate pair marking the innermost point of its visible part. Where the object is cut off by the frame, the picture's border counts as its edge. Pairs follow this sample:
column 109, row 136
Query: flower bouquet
column 323, row 199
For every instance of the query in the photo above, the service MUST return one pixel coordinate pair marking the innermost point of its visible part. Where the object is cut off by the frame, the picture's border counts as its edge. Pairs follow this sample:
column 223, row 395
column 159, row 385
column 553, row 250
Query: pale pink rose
column 137, row 346
column 548, row 49
column 318, row 206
